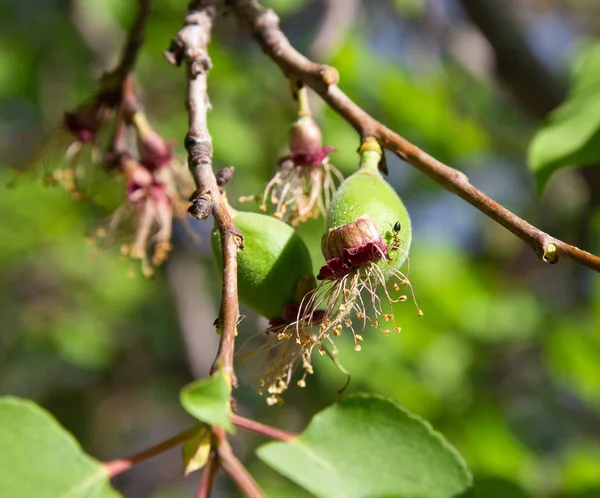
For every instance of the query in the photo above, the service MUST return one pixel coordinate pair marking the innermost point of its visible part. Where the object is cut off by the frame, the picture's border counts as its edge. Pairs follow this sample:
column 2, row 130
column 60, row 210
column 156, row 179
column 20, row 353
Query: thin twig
column 115, row 467
column 135, row 40
column 117, row 84
column 264, row 26
column 208, row 476
column 190, row 46
column 234, row 467
column 262, row 429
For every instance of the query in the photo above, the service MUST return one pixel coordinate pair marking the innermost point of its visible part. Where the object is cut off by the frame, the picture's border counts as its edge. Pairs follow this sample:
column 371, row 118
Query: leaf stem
column 116, row 467
column 262, row 429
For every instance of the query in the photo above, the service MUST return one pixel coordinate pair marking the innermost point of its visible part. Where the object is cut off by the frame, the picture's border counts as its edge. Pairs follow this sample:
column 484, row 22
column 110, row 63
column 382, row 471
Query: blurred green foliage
column 571, row 136
column 506, row 360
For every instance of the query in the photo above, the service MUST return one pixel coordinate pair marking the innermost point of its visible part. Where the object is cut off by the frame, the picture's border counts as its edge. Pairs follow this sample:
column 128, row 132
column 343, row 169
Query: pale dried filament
column 300, row 192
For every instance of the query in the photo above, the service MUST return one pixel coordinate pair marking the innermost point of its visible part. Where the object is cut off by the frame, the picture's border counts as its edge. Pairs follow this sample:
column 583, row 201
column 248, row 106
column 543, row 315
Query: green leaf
column 196, row 451
column 369, row 446
column 571, row 135
column 40, row 458
column 208, row 401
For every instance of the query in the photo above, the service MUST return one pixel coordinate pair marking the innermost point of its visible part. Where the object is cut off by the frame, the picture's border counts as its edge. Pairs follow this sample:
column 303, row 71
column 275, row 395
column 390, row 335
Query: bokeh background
column 505, row 362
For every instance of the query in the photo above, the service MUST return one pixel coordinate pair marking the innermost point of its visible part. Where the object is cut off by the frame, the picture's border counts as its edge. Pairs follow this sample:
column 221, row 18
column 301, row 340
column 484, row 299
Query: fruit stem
column 370, row 155
column 303, row 105
column 369, row 161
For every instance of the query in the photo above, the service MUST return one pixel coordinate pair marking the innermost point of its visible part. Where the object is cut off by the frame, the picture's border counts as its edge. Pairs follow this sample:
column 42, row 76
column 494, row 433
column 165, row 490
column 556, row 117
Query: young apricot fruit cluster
column 366, row 240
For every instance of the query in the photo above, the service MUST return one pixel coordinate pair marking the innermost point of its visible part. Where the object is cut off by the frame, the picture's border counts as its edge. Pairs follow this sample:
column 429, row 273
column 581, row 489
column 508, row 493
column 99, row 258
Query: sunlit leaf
column 571, row 135
column 208, row 401
column 369, row 446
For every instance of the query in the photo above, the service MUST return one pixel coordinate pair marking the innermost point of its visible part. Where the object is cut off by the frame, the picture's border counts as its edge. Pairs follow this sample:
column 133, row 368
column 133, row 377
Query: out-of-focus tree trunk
column 529, row 81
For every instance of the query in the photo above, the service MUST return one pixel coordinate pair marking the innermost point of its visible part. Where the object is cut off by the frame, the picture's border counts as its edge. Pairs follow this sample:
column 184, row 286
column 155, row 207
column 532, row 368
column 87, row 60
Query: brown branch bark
column 264, row 26
column 208, row 476
column 234, row 467
column 190, row 46
column 135, row 40
column 115, row 83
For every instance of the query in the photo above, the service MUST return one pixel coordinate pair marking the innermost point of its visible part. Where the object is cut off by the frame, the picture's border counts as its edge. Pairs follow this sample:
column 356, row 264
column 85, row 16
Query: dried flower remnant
column 154, row 151
column 157, row 189
column 152, row 200
column 85, row 122
column 78, row 132
column 305, row 181
column 289, row 345
column 157, row 186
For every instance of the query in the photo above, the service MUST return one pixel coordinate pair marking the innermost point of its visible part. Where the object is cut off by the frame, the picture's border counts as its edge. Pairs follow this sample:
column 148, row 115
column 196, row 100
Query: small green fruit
column 366, row 240
column 274, row 268
column 366, row 211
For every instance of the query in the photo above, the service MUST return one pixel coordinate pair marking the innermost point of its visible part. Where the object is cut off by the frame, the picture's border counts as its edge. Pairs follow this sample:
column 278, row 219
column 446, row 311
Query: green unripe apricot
column 365, row 194
column 274, row 268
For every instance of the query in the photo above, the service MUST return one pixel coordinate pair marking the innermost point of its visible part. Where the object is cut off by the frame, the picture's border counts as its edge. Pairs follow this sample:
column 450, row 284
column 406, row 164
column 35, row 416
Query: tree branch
column 114, row 83
column 135, row 40
column 208, row 476
column 234, row 467
column 264, row 26
column 190, row 46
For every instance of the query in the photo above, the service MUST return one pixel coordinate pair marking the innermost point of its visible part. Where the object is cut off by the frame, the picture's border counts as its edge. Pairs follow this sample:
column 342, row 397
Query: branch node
column 224, row 176
column 202, row 204
column 330, row 75
column 200, row 64
column 238, row 238
column 267, row 20
column 550, row 253
column 172, row 55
